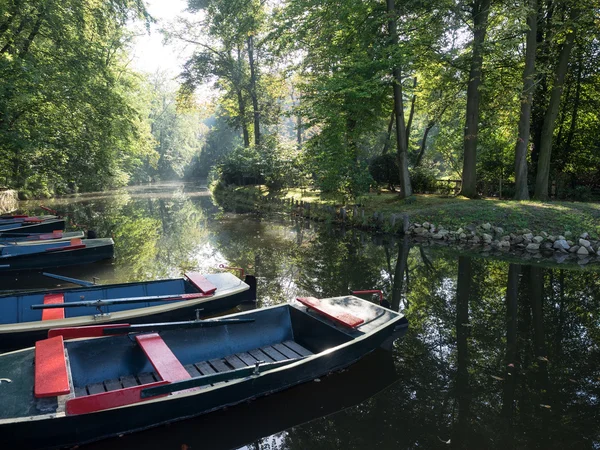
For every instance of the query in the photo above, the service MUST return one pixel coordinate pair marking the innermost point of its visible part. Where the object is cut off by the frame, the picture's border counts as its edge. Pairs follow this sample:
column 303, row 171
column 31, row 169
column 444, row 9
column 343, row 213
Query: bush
column 384, row 170
column 423, row 180
column 578, row 194
column 271, row 163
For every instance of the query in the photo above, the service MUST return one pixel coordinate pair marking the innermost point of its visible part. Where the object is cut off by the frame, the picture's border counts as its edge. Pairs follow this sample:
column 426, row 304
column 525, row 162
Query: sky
column 149, row 53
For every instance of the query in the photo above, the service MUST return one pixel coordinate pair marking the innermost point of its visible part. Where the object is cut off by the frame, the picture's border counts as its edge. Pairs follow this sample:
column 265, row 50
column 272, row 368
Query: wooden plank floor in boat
column 270, row 353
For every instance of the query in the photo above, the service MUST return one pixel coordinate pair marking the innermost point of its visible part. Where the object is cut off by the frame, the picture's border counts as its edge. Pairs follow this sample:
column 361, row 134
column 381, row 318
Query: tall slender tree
column 521, row 189
column 479, row 14
column 545, row 150
column 401, row 135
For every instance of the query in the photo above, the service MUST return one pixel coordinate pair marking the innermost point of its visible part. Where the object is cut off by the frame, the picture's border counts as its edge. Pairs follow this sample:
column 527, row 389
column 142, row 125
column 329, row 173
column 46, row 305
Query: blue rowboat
column 158, row 300
column 19, row 229
column 47, row 254
column 74, row 388
column 37, row 238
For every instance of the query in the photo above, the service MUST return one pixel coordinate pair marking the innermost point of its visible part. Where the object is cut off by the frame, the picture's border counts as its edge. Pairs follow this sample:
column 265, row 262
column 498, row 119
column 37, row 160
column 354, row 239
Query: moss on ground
column 554, row 217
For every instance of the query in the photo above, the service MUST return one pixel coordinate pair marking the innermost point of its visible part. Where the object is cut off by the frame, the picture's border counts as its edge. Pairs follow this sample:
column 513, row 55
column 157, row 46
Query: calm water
column 497, row 355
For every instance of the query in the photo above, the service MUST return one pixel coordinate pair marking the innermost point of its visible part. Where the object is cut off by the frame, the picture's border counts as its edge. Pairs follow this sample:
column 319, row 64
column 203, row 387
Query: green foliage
column 423, row 179
column 272, row 164
column 68, row 112
column 384, row 170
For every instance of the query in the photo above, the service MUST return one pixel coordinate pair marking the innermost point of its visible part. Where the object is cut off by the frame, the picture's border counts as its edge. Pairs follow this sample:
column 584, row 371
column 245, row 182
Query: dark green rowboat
column 67, row 392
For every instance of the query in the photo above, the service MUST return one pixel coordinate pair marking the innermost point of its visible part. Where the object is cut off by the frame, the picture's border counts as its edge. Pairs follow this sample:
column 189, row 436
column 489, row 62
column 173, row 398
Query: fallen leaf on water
column 542, row 358
column 445, row 442
column 497, row 378
column 545, row 406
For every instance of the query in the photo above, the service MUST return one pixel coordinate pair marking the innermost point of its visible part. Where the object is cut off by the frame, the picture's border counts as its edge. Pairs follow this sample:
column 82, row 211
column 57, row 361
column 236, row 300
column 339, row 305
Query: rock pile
column 530, row 245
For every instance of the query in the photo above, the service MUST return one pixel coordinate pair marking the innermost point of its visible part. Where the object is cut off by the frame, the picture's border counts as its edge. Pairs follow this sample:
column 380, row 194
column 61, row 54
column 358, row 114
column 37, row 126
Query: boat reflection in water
column 246, row 423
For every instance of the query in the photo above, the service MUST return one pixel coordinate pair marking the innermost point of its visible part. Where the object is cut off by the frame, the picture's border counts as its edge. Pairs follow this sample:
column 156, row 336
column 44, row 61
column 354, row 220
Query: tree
column 70, row 116
column 401, row 132
column 479, row 14
column 547, row 132
column 521, row 188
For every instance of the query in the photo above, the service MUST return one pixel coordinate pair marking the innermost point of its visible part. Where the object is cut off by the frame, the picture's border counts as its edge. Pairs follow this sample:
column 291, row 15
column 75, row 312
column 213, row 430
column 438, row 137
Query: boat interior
column 276, row 334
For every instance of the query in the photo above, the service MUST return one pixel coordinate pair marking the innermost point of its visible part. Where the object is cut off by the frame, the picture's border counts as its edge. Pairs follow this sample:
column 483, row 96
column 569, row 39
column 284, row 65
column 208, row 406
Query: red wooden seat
column 53, row 313
column 51, row 378
column 342, row 318
column 198, row 280
column 162, row 358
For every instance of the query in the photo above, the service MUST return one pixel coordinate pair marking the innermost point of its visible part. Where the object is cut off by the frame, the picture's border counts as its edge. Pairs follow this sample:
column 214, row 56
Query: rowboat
column 46, row 254
column 37, row 238
column 84, row 384
column 25, row 218
column 31, row 226
column 158, row 300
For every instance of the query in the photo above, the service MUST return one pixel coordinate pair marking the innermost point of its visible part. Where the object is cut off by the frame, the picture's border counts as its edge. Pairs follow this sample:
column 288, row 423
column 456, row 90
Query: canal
column 498, row 355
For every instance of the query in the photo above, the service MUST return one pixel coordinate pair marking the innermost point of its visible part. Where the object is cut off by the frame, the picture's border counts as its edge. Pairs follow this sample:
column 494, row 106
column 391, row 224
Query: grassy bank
column 451, row 212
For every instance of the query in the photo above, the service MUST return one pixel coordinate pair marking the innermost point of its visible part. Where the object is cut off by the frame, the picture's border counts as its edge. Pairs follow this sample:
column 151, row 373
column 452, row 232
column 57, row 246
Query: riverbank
column 562, row 230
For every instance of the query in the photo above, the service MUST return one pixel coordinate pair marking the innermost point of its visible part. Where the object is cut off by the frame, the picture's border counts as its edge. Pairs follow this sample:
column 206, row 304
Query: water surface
column 497, row 355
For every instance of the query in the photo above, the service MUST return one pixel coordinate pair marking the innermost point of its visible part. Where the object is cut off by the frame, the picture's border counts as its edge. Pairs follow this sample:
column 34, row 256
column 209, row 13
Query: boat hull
column 43, row 259
column 43, row 227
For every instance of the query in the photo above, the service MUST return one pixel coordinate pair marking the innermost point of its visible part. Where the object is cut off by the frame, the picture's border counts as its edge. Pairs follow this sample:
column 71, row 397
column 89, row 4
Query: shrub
column 384, row 170
column 423, row 180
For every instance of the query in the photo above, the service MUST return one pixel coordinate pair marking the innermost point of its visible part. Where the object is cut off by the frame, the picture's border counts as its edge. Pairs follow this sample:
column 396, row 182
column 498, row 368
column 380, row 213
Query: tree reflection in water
column 497, row 355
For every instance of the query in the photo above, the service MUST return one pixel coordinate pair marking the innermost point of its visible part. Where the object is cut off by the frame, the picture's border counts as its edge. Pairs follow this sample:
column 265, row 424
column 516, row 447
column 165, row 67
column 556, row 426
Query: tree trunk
column 402, row 150
column 577, row 100
column 412, row 112
column 545, row 150
column 253, row 91
column 33, row 33
column 241, row 99
column 386, row 146
column 428, row 128
column 480, row 14
column 521, row 189
column 242, row 108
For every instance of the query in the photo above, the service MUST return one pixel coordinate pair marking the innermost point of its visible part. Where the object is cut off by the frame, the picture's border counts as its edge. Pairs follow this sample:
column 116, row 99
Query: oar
column 205, row 380
column 153, row 327
column 69, row 279
column 119, row 301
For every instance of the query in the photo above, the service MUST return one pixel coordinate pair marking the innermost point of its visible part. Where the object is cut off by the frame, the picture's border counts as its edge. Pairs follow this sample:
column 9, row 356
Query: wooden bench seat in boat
column 341, row 317
column 271, row 353
column 51, row 377
column 162, row 358
column 53, row 313
column 198, row 280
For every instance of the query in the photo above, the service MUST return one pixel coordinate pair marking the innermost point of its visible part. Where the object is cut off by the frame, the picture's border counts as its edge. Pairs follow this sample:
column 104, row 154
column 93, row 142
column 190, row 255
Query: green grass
column 453, row 212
